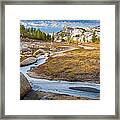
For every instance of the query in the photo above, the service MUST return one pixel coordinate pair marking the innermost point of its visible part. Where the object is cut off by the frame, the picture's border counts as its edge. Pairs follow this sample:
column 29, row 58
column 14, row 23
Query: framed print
column 59, row 59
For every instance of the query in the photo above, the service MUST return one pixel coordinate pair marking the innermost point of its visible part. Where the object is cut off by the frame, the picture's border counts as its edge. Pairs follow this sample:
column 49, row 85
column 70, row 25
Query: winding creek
column 61, row 87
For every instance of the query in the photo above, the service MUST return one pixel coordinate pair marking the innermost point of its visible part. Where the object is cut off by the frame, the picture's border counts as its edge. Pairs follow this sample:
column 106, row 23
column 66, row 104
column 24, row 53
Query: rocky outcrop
column 25, row 87
column 28, row 61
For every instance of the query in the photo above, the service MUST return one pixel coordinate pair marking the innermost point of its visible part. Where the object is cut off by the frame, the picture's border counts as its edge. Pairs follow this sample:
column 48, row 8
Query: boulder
column 25, row 86
column 28, row 61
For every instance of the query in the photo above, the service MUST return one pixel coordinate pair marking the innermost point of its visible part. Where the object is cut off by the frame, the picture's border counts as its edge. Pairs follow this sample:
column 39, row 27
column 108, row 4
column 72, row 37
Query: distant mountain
column 78, row 33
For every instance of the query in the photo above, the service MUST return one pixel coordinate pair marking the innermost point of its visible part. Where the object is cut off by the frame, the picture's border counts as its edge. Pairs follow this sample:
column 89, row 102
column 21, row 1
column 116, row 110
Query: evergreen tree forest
column 33, row 33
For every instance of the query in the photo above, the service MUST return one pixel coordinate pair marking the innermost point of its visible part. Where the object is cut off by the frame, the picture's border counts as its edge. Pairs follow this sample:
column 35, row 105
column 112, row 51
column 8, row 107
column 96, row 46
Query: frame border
column 55, row 2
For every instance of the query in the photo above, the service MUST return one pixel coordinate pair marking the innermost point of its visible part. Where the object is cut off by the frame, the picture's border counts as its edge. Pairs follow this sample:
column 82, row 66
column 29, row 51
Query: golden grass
column 73, row 65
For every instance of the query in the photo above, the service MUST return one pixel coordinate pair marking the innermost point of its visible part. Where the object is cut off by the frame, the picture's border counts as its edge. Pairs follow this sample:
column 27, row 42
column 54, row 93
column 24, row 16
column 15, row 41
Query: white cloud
column 54, row 24
column 23, row 23
column 38, row 24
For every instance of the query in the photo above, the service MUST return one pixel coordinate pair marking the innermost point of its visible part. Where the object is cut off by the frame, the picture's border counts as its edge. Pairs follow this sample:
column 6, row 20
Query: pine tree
column 94, row 37
column 84, row 39
column 53, row 36
column 62, row 35
column 48, row 37
column 38, row 34
column 34, row 33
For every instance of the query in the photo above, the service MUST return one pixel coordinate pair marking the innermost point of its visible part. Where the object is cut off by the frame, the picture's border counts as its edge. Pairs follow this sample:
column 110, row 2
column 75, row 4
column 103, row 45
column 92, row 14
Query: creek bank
column 40, row 95
column 83, row 77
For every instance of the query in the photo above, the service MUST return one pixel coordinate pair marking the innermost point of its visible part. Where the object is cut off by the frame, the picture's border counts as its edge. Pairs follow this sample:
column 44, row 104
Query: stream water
column 61, row 87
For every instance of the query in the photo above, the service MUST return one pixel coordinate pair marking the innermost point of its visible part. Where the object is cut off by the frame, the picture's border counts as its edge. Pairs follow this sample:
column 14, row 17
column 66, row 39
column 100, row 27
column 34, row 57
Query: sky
column 50, row 26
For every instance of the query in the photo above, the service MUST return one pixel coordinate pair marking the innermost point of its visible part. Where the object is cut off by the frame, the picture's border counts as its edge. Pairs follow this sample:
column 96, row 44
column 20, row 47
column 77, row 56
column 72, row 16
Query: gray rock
column 87, row 89
column 28, row 61
column 25, row 87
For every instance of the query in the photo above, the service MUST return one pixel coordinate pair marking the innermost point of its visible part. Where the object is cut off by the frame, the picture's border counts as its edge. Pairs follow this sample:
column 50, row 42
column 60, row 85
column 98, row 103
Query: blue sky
column 50, row 26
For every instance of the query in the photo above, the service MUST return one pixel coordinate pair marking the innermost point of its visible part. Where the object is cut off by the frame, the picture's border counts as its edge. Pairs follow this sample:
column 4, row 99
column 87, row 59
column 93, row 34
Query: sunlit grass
column 72, row 65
